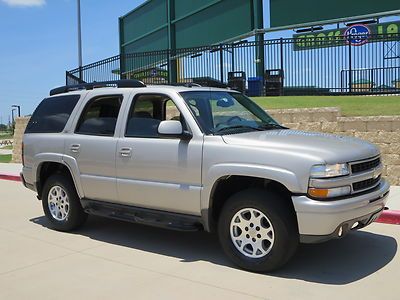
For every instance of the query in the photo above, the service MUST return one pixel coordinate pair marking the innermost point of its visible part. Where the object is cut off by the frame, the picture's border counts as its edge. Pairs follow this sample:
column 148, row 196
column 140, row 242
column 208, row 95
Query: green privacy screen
column 224, row 20
column 163, row 24
column 295, row 12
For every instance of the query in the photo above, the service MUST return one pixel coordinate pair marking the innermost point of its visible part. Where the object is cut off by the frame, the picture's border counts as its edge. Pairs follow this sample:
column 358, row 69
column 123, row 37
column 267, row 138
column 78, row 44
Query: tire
column 256, row 248
column 65, row 212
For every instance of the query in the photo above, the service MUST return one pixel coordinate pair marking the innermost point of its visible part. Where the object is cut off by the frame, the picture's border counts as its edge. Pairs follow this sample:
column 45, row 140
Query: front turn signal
column 329, row 193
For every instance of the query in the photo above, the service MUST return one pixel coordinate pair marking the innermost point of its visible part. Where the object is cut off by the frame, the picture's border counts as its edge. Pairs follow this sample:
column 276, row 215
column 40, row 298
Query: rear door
column 93, row 144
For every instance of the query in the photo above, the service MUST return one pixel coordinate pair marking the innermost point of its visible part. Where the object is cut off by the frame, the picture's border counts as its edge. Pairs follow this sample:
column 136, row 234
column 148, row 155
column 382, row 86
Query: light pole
column 12, row 115
column 12, row 120
column 19, row 109
column 79, row 38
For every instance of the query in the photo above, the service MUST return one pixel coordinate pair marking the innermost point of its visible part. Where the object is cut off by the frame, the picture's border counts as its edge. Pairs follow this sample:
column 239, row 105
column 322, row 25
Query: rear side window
column 100, row 116
column 52, row 114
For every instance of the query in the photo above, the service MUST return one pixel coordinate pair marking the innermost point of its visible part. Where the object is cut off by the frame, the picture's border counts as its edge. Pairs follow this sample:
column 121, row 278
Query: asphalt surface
column 111, row 259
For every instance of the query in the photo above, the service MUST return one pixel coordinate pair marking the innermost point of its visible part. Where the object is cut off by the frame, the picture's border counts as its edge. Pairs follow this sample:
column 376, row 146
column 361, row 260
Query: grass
column 5, row 158
column 350, row 105
column 6, row 136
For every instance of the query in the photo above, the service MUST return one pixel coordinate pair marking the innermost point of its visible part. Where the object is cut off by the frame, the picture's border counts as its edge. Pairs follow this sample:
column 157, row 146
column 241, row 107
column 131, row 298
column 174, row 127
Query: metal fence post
column 122, row 66
column 283, row 73
column 221, row 62
column 350, row 69
column 233, row 58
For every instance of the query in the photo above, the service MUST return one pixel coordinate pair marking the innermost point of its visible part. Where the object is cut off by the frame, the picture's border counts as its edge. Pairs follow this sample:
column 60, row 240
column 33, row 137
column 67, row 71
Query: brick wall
column 383, row 131
column 20, row 125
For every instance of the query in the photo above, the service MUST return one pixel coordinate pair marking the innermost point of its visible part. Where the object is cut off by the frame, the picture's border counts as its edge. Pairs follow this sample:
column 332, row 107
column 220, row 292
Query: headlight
column 329, row 193
column 326, row 171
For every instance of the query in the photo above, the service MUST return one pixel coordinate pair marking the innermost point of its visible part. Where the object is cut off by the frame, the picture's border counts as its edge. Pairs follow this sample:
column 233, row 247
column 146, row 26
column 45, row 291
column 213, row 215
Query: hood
column 327, row 147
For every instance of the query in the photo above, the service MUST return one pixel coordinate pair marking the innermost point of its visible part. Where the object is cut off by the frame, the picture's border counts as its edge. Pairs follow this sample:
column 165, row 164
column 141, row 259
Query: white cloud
column 25, row 3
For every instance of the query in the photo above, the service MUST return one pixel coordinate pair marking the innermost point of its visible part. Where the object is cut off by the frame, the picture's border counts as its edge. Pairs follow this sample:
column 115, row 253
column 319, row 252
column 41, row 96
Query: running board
column 157, row 218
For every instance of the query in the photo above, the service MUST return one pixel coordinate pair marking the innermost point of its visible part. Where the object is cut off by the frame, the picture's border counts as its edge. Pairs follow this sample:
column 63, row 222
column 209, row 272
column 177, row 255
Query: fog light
column 329, row 193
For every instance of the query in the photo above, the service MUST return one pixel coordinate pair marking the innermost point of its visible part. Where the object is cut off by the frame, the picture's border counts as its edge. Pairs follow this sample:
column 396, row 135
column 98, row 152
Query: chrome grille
column 365, row 165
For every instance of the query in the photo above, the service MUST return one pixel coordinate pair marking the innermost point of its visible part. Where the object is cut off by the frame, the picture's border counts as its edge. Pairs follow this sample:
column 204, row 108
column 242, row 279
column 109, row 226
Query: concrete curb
column 389, row 217
column 10, row 177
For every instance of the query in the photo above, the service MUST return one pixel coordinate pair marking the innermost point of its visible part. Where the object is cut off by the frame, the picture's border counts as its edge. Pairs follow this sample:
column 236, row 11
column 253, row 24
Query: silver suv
column 193, row 158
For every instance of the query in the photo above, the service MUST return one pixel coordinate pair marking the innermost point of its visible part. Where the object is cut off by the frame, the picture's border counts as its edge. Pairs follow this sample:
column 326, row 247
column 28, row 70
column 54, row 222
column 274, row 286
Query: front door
column 154, row 172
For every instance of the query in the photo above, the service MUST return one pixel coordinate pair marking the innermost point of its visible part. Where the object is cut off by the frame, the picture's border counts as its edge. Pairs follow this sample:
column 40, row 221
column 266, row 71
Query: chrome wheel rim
column 58, row 203
column 252, row 233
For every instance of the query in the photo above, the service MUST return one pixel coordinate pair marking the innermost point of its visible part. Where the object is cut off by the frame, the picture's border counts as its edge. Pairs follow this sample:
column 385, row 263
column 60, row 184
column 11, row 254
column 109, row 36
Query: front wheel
column 257, row 230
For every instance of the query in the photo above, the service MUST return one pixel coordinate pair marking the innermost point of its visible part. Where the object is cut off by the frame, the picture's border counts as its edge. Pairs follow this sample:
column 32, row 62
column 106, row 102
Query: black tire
column 280, row 215
column 76, row 215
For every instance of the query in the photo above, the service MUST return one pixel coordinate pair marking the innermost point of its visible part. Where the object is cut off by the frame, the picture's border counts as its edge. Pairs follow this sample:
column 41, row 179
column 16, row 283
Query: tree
column 3, row 127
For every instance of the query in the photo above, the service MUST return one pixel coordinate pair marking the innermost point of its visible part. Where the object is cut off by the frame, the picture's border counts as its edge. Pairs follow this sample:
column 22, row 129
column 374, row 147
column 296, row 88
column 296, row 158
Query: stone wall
column 20, row 125
column 383, row 131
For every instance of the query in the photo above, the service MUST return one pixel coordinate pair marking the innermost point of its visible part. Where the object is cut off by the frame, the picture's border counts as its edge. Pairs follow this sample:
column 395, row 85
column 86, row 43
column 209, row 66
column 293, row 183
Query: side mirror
column 173, row 128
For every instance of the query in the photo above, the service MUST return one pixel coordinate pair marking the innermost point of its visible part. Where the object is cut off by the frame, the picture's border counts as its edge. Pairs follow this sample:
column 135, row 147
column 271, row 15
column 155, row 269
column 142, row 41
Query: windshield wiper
column 236, row 127
column 272, row 126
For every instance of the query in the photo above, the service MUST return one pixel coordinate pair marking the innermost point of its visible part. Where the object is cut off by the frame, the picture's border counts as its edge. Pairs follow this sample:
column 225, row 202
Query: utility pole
column 79, row 38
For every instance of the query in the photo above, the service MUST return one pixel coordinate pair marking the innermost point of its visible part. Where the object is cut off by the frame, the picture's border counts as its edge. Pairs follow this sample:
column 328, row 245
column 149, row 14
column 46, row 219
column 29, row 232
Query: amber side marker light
column 329, row 193
column 318, row 193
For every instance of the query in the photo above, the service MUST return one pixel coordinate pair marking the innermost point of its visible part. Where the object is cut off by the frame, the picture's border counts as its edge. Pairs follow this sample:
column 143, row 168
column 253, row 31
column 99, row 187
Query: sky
column 39, row 43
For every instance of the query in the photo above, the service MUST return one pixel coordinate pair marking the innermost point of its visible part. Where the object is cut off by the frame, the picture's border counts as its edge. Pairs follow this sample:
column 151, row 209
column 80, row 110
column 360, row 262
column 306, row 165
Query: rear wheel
column 61, row 203
column 257, row 230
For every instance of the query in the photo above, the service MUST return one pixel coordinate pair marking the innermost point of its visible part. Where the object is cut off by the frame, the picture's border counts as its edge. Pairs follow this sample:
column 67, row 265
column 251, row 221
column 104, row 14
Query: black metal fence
column 329, row 65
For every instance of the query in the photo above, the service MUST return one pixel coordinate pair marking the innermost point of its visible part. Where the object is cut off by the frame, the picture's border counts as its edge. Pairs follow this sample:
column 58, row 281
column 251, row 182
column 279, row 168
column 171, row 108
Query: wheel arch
column 50, row 164
column 226, row 186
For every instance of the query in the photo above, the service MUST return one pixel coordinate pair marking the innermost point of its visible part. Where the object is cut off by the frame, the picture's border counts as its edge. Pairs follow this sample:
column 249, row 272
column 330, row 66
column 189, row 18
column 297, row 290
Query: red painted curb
column 10, row 177
column 389, row 217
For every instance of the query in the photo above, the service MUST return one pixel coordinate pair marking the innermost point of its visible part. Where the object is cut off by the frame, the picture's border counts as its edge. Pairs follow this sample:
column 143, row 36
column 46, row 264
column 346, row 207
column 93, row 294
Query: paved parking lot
column 111, row 259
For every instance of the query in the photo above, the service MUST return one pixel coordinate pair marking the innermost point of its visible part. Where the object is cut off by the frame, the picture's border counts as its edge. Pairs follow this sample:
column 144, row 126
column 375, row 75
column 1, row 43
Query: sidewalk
column 5, row 151
column 10, row 169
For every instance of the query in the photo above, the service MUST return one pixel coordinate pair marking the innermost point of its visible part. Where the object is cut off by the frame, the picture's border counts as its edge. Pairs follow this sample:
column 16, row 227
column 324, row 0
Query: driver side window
column 147, row 112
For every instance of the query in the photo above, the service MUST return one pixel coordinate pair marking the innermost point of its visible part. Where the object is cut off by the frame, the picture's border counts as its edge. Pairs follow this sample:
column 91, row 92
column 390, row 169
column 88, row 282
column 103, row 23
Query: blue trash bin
column 255, row 86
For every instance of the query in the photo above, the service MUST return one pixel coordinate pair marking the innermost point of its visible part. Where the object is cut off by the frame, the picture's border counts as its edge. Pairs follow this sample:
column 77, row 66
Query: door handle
column 75, row 148
column 126, row 152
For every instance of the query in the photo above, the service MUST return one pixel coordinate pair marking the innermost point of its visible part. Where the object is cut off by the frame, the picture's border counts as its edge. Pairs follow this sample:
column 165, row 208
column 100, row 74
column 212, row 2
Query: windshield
column 220, row 112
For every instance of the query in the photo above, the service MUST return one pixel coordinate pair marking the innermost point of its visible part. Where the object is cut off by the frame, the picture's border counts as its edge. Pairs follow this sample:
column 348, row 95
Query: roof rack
column 125, row 83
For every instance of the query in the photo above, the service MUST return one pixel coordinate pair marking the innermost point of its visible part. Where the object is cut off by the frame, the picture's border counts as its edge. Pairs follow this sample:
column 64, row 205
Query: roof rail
column 185, row 84
column 125, row 83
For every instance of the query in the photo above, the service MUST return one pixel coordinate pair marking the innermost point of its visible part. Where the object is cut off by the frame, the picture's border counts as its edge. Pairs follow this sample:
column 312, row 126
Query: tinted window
column 100, row 116
column 220, row 112
column 147, row 111
column 52, row 114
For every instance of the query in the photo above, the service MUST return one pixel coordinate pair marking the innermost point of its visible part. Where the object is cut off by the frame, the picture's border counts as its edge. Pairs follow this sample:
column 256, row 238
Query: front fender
column 283, row 176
